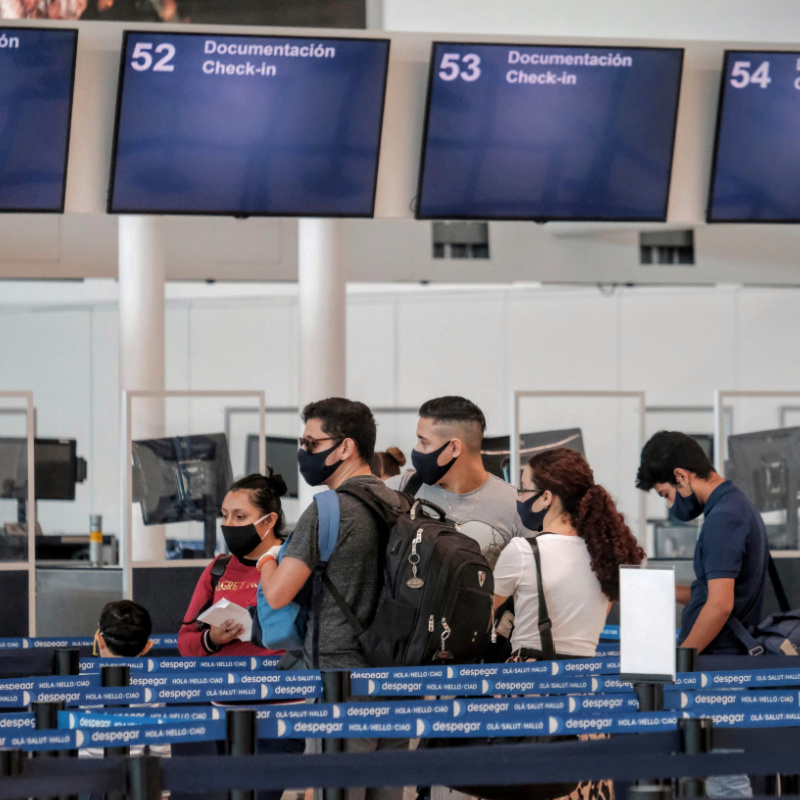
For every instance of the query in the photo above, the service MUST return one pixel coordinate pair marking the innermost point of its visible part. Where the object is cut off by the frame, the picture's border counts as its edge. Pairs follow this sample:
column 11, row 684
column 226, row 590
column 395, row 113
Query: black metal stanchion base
column 143, row 778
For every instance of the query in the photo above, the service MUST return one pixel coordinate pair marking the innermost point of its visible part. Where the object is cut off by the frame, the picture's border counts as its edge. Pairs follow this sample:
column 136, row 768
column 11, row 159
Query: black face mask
column 242, row 539
column 427, row 467
column 532, row 520
column 685, row 509
column 313, row 467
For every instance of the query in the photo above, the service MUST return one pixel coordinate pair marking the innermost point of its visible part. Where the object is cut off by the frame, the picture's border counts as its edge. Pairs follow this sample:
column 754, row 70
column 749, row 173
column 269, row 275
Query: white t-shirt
column 575, row 602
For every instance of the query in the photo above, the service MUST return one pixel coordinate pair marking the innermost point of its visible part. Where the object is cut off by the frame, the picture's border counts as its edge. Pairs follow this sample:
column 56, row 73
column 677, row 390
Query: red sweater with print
column 239, row 584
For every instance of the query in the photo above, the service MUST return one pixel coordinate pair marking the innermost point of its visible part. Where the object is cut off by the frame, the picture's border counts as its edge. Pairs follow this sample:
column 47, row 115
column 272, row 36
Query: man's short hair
column 667, row 451
column 345, row 419
column 458, row 412
column 126, row 628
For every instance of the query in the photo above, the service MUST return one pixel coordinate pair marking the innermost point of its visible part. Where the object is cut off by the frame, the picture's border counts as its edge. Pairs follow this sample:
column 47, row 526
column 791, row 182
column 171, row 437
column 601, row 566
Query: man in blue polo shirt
column 730, row 561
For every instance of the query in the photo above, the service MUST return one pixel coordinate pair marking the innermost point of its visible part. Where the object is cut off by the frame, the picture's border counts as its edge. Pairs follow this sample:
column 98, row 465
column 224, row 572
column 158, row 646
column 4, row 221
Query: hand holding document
column 224, row 610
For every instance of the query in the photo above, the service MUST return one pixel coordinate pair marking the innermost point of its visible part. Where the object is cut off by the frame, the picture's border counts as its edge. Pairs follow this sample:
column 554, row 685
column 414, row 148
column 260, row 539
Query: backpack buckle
column 758, row 650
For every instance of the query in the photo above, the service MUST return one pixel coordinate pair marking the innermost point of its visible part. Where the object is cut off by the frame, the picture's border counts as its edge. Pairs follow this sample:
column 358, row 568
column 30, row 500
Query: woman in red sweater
column 252, row 524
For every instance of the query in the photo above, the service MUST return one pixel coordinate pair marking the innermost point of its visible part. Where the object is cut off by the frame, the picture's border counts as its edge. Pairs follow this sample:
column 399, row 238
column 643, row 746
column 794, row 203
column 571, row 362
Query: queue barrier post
column 115, row 677
column 650, row 696
column 241, row 740
column 686, row 659
column 67, row 661
column 335, row 689
column 10, row 763
column 143, row 778
column 697, row 736
column 45, row 718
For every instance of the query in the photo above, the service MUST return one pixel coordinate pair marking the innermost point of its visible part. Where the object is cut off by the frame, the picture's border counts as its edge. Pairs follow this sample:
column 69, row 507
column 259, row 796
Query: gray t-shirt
column 353, row 570
column 488, row 514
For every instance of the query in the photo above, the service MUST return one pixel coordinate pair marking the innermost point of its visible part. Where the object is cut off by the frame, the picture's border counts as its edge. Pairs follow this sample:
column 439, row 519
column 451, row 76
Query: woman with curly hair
column 583, row 542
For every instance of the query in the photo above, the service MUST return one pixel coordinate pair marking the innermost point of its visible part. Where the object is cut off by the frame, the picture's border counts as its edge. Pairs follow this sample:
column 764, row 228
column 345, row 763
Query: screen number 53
column 469, row 68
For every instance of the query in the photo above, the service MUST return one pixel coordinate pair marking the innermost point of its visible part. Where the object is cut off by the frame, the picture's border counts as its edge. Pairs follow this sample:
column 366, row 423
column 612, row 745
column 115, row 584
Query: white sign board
column 647, row 623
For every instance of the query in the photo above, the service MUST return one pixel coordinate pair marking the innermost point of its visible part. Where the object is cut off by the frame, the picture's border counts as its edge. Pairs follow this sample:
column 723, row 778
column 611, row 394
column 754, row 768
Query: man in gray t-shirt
column 447, row 459
column 336, row 449
column 353, row 570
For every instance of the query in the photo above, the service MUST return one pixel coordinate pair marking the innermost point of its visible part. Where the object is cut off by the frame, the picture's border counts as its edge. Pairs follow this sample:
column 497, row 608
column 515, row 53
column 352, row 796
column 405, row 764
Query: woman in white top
column 583, row 542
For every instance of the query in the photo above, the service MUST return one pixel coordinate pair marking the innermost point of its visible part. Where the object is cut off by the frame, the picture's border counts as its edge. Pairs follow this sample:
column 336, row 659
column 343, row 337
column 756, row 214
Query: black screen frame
column 234, row 214
column 726, row 54
column 541, row 219
column 74, row 32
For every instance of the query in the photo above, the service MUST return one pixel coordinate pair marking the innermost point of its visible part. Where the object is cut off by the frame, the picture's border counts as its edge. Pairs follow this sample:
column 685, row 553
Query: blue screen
column 756, row 175
column 36, row 75
column 520, row 132
column 246, row 125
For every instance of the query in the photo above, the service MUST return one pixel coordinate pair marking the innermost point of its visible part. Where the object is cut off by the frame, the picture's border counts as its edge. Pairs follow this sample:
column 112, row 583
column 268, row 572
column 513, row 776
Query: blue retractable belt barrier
column 159, row 642
column 181, row 665
column 16, row 722
column 52, row 683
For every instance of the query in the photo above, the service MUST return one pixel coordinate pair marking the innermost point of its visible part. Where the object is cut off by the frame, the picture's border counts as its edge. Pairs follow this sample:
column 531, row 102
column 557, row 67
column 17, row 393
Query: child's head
column 124, row 630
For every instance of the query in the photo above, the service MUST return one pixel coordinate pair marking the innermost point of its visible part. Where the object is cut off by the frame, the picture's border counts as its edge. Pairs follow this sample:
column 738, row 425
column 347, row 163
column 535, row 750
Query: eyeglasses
column 310, row 444
column 537, row 492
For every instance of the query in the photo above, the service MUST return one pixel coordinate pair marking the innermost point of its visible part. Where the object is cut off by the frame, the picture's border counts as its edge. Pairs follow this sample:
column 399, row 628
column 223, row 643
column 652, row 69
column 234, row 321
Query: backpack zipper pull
column 415, row 582
column 431, row 624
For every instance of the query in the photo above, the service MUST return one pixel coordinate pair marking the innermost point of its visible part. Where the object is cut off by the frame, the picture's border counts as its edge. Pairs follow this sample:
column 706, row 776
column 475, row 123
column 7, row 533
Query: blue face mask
column 532, row 520
column 685, row 509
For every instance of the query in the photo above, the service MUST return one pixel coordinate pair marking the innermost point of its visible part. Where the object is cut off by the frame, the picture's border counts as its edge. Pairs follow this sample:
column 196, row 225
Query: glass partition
column 179, row 458
column 607, row 427
column 18, row 526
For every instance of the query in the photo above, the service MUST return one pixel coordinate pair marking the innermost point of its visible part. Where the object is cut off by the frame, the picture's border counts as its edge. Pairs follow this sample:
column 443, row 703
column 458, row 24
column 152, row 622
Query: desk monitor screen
column 548, row 132
column 181, row 479
column 37, row 68
column 496, row 450
column 765, row 465
column 281, row 456
column 248, row 125
column 756, row 168
column 56, row 468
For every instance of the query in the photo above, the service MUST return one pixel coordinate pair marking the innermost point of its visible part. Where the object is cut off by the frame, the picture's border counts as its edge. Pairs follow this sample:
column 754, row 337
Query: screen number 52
column 142, row 59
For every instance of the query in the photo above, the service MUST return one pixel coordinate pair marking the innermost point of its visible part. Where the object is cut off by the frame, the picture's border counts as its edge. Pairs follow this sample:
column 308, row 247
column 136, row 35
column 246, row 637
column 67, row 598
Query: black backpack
column 436, row 601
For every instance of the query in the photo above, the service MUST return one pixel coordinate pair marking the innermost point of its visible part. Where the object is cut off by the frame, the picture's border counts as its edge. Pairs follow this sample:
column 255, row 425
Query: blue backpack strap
column 328, row 519
column 328, row 525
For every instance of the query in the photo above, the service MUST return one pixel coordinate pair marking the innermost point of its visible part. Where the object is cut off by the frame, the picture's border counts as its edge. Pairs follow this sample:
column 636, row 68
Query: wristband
column 261, row 561
column 207, row 643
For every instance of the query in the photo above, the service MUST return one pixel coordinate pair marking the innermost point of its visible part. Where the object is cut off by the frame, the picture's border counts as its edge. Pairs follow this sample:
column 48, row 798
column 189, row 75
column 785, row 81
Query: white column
column 141, row 337
column 322, row 311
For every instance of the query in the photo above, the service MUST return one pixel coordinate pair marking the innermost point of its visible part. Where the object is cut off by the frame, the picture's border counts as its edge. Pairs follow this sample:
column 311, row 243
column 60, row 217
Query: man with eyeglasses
column 336, row 448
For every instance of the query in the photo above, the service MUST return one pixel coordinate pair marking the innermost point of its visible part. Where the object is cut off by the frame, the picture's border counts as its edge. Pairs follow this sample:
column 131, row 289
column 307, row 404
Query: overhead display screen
column 756, row 172
column 548, row 133
column 248, row 125
column 37, row 68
